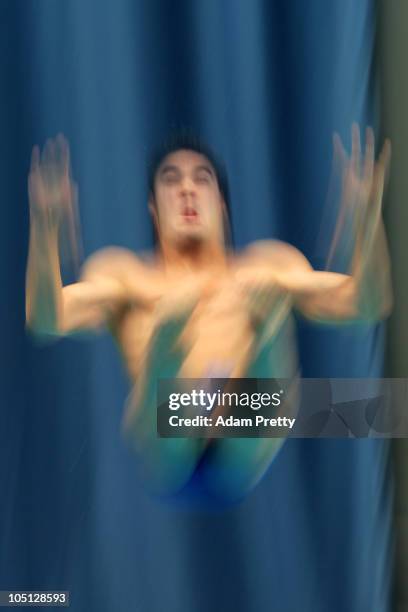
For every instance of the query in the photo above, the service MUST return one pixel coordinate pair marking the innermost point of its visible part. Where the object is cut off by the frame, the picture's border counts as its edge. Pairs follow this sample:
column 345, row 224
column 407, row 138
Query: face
column 188, row 205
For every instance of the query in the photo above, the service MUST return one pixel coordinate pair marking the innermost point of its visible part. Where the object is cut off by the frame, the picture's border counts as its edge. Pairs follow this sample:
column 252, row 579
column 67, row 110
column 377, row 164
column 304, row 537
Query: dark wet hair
column 186, row 139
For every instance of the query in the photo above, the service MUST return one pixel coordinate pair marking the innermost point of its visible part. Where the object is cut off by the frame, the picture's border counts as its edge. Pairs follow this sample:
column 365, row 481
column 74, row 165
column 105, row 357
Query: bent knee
column 237, row 467
column 165, row 465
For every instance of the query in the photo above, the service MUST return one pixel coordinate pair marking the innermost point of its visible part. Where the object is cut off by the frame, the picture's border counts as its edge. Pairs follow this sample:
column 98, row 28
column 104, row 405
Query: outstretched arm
column 365, row 293
column 51, row 309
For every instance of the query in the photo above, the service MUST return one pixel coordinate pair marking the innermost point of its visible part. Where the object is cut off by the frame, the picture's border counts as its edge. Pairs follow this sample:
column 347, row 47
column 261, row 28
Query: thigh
column 234, row 466
column 165, row 464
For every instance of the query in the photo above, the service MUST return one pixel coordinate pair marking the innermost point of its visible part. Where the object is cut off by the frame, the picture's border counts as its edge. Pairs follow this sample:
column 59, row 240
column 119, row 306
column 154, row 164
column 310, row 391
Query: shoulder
column 275, row 252
column 113, row 261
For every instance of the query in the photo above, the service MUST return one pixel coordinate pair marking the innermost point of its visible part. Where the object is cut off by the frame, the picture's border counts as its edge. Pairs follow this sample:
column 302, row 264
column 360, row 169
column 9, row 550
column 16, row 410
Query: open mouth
column 189, row 214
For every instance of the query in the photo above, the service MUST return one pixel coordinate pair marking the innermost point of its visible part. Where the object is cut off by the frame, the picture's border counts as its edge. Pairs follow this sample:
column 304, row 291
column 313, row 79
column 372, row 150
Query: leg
column 234, row 466
column 166, row 464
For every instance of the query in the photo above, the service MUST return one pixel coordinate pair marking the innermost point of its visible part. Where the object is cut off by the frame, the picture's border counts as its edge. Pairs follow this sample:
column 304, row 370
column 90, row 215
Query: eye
column 170, row 178
column 203, row 177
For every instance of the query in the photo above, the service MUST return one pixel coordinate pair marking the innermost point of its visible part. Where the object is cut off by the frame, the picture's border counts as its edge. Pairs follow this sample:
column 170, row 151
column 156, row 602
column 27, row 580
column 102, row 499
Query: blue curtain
column 266, row 83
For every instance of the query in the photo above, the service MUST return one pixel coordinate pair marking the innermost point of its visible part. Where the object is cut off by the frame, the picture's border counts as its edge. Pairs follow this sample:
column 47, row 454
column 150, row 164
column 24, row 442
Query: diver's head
column 188, row 195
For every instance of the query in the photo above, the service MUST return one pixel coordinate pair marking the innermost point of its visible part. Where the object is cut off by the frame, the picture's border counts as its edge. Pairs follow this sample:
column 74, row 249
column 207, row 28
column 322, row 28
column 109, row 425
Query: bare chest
column 220, row 330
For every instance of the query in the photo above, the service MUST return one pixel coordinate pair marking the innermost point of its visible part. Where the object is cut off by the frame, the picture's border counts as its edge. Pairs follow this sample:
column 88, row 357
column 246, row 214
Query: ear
column 226, row 222
column 153, row 212
column 224, row 210
column 151, row 205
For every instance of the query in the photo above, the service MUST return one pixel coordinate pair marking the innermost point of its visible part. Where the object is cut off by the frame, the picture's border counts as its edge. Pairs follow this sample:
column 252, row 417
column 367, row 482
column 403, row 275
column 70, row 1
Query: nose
column 187, row 186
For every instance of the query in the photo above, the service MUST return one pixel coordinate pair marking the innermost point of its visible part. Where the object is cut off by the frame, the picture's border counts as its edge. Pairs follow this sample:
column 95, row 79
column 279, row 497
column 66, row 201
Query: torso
column 220, row 337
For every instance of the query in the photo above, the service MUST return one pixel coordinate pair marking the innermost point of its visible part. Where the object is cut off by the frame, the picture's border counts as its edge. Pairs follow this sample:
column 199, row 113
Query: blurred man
column 195, row 309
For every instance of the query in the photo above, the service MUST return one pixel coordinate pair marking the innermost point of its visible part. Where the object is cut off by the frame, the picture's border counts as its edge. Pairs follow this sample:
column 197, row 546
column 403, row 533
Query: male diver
column 194, row 308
